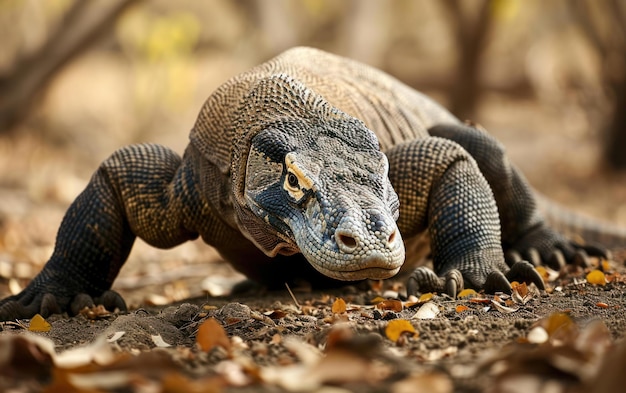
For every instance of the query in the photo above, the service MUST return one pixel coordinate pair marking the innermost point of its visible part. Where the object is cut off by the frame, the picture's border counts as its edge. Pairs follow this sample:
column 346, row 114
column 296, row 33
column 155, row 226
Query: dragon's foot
column 424, row 280
column 544, row 246
column 28, row 303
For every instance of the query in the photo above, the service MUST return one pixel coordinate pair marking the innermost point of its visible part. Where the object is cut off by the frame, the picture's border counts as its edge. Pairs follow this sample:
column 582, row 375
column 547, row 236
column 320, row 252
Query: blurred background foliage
column 102, row 73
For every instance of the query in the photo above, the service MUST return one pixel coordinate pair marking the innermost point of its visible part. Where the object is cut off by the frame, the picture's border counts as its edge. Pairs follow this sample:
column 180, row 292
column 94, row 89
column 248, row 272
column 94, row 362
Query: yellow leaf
column 606, row 266
column 339, row 306
column 596, row 277
column 211, row 334
column 39, row 324
column 397, row 327
column 542, row 272
column 377, row 300
column 467, row 293
column 425, row 297
column 558, row 322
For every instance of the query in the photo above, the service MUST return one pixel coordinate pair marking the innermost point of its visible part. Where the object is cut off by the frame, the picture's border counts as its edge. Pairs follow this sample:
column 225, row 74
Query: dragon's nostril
column 346, row 241
column 392, row 237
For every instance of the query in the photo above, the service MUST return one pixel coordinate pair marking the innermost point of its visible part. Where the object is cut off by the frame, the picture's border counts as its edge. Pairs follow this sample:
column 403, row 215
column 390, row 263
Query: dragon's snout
column 367, row 244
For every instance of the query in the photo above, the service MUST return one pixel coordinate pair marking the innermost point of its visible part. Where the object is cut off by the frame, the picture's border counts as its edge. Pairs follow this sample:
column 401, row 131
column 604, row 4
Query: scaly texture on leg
column 524, row 232
column 441, row 189
column 141, row 190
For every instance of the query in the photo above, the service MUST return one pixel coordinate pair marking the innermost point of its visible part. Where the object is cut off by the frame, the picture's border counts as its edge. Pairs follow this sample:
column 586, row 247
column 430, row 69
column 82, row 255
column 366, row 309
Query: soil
column 470, row 345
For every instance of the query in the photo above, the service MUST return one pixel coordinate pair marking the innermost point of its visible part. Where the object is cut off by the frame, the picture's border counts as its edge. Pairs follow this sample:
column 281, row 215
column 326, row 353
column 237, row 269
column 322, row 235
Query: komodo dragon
column 309, row 163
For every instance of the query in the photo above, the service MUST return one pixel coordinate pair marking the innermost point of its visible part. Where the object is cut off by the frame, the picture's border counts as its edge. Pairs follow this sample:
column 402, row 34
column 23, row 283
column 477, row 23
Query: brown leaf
column 520, row 289
column 175, row 382
column 26, row 356
column 95, row 312
column 391, row 304
column 211, row 334
column 276, row 339
column 340, row 366
column 339, row 306
column 338, row 334
column 376, row 285
column 432, row 382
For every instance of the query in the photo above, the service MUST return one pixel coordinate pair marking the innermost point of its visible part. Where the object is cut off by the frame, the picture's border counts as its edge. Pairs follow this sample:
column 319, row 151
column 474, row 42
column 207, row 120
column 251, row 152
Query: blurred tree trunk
column 604, row 24
column 82, row 26
column 616, row 139
column 471, row 33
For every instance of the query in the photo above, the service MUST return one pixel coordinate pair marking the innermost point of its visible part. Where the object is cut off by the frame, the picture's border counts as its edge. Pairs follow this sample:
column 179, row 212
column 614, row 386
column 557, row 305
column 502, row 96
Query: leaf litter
column 352, row 340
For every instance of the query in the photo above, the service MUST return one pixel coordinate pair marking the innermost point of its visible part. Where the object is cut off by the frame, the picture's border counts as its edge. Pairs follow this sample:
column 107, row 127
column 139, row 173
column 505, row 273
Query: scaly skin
column 308, row 166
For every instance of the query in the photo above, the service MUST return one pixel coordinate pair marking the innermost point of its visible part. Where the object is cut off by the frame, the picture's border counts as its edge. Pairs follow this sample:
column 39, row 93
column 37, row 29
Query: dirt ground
column 563, row 339
column 556, row 341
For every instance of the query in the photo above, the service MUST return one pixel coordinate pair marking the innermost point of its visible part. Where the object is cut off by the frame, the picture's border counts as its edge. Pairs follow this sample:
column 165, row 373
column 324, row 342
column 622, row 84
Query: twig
column 293, row 296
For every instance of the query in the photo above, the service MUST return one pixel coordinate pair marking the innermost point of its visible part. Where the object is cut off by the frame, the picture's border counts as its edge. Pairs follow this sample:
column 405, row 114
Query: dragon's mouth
column 372, row 273
column 376, row 267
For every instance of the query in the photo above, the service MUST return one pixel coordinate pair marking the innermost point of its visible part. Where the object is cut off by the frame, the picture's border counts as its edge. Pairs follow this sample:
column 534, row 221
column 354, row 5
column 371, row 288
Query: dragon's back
column 394, row 111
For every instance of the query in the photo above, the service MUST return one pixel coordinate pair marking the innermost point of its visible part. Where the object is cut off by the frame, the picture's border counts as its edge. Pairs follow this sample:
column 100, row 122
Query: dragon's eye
column 292, row 180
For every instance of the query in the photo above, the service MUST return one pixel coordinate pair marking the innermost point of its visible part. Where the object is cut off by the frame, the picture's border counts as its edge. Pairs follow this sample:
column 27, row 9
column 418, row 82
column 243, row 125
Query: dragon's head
column 318, row 182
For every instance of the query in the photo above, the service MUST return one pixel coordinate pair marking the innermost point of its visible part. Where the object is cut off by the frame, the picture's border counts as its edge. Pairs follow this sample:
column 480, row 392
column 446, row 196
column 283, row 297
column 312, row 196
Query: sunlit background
column 79, row 79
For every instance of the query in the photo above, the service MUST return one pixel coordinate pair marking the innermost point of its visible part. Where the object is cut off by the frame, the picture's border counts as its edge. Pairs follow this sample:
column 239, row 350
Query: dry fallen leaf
column 397, row 327
column 429, row 382
column 276, row 339
column 340, row 366
column 97, row 352
column 427, row 311
column 26, row 355
column 377, row 300
column 560, row 327
column 211, row 334
column 523, row 293
column 338, row 334
column 467, row 293
column 504, row 309
column 95, row 312
column 596, row 277
column 548, row 275
column 426, row 297
column 520, row 289
column 605, row 266
column 174, row 382
column 460, row 308
column 537, row 335
column 159, row 342
column 391, row 304
column 339, row 306
column 116, row 336
column 39, row 324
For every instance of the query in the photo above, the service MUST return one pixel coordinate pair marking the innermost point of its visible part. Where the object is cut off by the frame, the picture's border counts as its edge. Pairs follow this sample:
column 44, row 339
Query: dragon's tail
column 581, row 228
